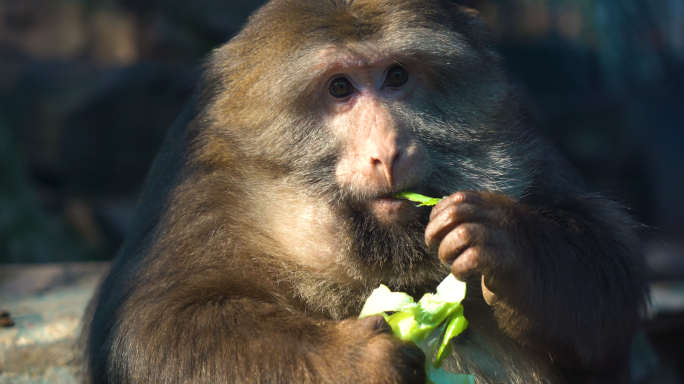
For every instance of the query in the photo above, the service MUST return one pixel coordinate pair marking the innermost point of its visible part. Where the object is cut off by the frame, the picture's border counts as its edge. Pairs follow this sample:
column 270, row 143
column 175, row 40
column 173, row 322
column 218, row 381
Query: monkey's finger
column 489, row 296
column 458, row 240
column 459, row 197
column 450, row 217
column 488, row 255
column 410, row 365
column 374, row 324
column 469, row 263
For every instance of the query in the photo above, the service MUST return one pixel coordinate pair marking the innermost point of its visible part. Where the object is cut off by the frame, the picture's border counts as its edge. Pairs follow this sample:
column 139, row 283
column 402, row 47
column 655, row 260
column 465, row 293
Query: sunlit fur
column 245, row 250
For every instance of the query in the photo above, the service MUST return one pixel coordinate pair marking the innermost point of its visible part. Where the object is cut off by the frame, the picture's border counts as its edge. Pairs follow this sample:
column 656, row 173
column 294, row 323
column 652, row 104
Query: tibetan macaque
column 268, row 216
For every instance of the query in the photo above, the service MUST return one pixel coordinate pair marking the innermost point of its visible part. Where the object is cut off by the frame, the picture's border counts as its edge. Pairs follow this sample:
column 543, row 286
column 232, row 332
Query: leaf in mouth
column 418, row 198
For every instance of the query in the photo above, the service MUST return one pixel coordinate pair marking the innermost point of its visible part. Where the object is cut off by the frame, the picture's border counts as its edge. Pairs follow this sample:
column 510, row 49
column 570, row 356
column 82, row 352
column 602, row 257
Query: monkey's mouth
column 391, row 210
column 389, row 202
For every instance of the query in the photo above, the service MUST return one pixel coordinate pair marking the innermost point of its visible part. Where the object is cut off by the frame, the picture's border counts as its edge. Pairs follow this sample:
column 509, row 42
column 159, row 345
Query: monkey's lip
column 393, row 211
column 389, row 206
column 389, row 200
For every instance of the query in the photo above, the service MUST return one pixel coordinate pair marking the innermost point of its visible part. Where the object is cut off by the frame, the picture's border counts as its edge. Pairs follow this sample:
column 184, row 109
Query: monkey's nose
column 383, row 159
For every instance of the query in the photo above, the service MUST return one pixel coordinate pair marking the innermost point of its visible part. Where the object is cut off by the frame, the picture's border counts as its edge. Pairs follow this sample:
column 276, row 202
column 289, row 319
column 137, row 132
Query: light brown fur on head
column 268, row 216
column 440, row 43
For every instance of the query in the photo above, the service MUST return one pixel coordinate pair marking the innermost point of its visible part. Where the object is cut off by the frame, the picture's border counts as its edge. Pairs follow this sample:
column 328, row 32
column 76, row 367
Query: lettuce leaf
column 417, row 198
column 430, row 323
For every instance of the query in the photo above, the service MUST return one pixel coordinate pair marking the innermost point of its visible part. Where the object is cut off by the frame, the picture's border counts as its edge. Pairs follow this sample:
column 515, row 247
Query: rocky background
column 89, row 87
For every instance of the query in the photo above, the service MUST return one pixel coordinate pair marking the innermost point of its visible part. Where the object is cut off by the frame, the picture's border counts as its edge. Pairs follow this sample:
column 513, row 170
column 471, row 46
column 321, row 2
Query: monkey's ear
column 469, row 22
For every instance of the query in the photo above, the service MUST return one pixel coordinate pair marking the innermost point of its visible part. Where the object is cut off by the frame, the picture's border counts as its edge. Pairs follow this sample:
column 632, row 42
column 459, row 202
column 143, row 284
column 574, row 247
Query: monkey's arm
column 194, row 334
column 566, row 278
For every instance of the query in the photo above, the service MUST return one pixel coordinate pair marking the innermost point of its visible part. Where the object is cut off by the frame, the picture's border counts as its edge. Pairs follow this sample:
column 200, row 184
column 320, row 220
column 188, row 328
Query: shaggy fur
column 246, row 254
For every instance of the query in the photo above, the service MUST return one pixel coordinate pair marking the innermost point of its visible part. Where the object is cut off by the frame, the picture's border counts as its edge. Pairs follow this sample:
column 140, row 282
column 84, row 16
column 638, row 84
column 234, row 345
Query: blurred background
column 88, row 89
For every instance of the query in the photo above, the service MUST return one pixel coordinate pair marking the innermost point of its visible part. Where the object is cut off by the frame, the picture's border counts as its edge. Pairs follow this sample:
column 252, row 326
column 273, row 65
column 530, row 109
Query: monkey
column 268, row 216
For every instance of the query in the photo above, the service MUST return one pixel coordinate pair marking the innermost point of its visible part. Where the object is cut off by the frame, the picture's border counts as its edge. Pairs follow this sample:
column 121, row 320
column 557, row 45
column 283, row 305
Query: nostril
column 386, row 159
column 384, row 164
column 396, row 156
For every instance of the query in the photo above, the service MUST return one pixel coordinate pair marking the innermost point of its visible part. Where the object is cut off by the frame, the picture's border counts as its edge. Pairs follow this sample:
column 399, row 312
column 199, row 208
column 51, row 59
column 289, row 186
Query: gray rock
column 47, row 303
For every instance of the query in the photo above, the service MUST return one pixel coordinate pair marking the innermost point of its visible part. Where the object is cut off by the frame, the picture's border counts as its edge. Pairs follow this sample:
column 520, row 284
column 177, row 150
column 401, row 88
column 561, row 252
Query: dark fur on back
column 201, row 290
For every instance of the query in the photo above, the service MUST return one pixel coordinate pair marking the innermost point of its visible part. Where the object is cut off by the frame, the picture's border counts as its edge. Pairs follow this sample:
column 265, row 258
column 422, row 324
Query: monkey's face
column 362, row 108
column 379, row 155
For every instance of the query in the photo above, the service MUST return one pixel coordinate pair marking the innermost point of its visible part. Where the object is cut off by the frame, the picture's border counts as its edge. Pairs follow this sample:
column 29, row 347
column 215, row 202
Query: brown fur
column 246, row 254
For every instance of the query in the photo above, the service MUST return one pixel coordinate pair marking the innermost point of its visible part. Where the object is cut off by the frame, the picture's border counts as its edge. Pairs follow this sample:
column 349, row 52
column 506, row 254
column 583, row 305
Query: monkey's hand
column 376, row 355
column 560, row 278
column 474, row 233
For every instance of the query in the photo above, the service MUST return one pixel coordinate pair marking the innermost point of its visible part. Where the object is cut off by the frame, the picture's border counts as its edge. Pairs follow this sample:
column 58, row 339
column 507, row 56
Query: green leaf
column 384, row 300
column 435, row 316
column 440, row 376
column 433, row 311
column 418, row 198
column 456, row 324
column 403, row 324
column 451, row 290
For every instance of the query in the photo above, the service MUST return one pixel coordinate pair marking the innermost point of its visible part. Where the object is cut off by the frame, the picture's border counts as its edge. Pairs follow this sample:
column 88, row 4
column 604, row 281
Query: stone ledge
column 46, row 303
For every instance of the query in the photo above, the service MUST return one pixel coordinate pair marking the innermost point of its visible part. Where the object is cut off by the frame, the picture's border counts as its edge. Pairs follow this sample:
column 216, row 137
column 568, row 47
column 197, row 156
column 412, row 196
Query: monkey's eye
column 396, row 76
column 341, row 87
